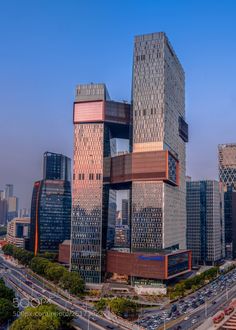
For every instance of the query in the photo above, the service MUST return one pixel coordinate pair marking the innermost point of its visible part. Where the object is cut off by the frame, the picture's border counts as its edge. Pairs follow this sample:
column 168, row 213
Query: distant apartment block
column 205, row 222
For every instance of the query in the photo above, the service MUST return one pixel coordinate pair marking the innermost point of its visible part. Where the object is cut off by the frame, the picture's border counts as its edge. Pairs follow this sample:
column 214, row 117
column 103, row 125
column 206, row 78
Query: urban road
column 29, row 287
column 209, row 309
column 193, row 310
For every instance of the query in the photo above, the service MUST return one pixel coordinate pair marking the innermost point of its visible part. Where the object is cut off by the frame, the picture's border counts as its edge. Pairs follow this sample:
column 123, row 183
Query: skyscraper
column 230, row 222
column 227, row 165
column 8, row 191
column 3, row 212
column 97, row 120
column 152, row 173
column 227, row 176
column 51, row 205
column 159, row 136
column 12, row 208
column 56, row 167
column 205, row 222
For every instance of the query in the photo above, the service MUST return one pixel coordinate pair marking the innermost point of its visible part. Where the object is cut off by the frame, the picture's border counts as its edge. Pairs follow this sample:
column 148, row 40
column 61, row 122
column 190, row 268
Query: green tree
column 72, row 282
column 5, row 292
column 8, row 249
column 49, row 255
column 51, row 270
column 54, row 272
column 7, row 310
column 39, row 265
column 123, row 307
column 101, row 305
column 180, row 289
column 43, row 317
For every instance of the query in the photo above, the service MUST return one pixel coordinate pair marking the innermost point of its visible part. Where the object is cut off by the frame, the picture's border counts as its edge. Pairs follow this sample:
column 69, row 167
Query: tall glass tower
column 150, row 172
column 51, row 205
column 56, row 167
column 97, row 121
column 159, row 135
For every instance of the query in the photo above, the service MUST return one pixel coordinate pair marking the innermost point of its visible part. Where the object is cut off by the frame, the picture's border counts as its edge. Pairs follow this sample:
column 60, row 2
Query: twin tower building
column 133, row 153
column 129, row 188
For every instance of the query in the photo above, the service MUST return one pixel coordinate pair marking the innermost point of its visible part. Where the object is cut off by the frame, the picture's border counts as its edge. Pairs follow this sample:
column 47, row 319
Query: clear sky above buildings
column 49, row 46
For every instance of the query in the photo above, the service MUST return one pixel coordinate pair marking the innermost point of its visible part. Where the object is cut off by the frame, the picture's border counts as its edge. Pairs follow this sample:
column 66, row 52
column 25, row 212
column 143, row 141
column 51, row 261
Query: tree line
column 7, row 308
column 192, row 284
column 43, row 317
column 120, row 306
column 50, row 270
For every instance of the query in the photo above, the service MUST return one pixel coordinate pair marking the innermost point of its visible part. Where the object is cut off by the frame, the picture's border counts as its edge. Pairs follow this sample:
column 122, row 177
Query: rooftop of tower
column 92, row 92
column 158, row 36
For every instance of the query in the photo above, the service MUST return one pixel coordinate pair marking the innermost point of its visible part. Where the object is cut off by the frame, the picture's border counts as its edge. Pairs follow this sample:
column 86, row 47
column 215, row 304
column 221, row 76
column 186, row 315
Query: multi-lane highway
column 28, row 286
column 190, row 312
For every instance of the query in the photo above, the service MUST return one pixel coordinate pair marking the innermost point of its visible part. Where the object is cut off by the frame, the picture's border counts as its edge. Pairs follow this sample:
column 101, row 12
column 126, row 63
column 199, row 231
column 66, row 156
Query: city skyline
column 40, row 67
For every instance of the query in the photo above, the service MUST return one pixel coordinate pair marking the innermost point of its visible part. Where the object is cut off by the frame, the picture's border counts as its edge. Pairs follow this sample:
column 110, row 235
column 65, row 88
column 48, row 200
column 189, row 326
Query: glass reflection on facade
column 205, row 222
column 147, row 216
column 87, row 201
column 149, row 172
column 158, row 103
column 96, row 134
column 56, row 167
column 51, row 208
column 178, row 263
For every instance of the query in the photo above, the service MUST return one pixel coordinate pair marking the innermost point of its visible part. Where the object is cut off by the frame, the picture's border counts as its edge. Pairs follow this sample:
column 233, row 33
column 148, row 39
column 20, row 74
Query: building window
column 81, row 176
column 90, row 176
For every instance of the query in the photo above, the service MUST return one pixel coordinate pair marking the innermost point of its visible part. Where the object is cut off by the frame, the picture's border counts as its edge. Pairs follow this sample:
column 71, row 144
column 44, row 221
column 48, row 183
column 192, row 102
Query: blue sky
column 49, row 46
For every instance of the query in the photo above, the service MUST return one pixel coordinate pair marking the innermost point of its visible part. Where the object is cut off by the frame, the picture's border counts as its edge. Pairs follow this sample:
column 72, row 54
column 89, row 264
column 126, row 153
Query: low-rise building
column 138, row 266
column 18, row 231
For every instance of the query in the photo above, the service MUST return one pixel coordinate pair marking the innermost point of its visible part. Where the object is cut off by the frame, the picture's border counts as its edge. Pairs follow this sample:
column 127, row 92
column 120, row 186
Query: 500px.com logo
column 25, row 302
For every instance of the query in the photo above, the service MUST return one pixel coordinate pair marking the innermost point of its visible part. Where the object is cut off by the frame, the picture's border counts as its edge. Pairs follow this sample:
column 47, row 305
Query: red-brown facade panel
column 100, row 111
column 155, row 266
column 89, row 111
column 140, row 166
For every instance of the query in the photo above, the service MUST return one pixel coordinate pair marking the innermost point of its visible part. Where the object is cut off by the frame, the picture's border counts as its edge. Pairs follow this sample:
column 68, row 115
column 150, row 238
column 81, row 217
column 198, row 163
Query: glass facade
column 178, row 263
column 56, row 167
column 94, row 202
column 87, row 201
column 158, row 104
column 205, row 222
column 51, row 206
column 149, row 172
column 227, row 176
column 147, row 216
